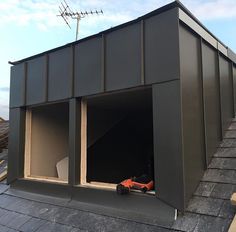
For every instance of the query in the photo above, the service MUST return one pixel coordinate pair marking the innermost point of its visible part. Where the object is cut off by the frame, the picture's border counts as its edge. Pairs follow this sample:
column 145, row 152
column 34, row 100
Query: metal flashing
column 222, row 49
column 185, row 18
column 231, row 55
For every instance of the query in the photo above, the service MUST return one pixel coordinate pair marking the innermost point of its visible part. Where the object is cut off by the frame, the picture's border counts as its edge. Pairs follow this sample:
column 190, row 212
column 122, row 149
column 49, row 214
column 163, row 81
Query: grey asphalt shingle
column 226, row 152
column 12, row 230
column 204, row 205
column 230, row 134
column 223, row 191
column 32, row 225
column 223, row 163
column 232, row 126
column 3, row 188
column 220, row 176
column 227, row 210
column 18, row 221
column 22, row 206
column 4, row 228
column 228, row 143
column 8, row 218
column 6, row 200
column 2, row 212
column 205, row 189
column 187, row 222
column 54, row 227
column 212, row 224
column 78, row 230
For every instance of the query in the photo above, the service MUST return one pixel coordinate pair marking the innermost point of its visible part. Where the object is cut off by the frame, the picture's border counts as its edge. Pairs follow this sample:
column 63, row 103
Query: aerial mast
column 66, row 13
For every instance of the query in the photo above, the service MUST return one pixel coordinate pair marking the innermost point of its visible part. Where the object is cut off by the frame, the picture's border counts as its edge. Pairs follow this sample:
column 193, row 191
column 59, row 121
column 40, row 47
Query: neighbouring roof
column 209, row 209
column 1, row 119
column 4, row 131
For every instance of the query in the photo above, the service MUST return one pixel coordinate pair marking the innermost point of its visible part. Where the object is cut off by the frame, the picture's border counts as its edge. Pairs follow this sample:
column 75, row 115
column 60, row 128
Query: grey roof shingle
column 205, row 205
column 226, row 152
column 223, row 191
column 223, row 163
column 32, row 225
column 220, row 176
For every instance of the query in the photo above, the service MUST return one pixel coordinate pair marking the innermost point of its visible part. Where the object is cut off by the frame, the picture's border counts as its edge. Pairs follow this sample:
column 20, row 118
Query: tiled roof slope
column 4, row 130
column 209, row 210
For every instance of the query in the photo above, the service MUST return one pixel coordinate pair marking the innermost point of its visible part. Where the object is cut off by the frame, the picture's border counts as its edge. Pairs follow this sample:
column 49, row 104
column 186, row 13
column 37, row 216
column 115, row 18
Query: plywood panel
column 17, row 91
column 192, row 110
column 88, row 67
column 60, row 74
column 83, row 151
column 36, row 85
column 226, row 92
column 123, row 58
column 161, row 47
column 211, row 93
column 27, row 160
column 49, row 138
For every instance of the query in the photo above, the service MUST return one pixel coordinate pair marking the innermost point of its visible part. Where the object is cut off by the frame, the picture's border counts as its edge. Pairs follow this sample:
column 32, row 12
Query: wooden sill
column 46, row 179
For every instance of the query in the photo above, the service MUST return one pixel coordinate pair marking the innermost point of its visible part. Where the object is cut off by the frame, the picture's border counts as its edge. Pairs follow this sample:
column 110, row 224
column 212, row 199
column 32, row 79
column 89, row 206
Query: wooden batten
column 46, row 179
column 233, row 199
column 28, row 173
column 83, row 169
column 27, row 143
column 3, row 175
column 232, row 227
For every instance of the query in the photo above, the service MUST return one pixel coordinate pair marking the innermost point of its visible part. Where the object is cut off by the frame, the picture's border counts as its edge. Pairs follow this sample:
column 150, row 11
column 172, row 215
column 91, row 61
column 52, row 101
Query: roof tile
column 228, row 143
column 54, row 227
column 223, row 163
column 227, row 210
column 223, row 191
column 203, row 205
column 220, row 176
column 186, row 222
column 18, row 221
column 204, row 189
column 230, row 134
column 232, row 126
column 32, row 225
column 226, row 152
column 212, row 224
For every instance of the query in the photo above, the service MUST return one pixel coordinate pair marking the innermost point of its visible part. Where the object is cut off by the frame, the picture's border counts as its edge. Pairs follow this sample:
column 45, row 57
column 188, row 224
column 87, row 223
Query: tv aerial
column 66, row 13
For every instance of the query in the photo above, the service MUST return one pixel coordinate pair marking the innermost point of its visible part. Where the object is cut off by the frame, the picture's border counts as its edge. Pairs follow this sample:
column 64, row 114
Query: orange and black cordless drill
column 143, row 183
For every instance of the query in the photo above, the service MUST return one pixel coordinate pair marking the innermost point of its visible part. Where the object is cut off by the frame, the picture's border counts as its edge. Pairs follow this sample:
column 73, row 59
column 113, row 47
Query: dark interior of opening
column 119, row 136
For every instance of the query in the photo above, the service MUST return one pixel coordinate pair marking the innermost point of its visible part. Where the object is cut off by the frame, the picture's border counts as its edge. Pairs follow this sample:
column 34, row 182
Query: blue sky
column 29, row 27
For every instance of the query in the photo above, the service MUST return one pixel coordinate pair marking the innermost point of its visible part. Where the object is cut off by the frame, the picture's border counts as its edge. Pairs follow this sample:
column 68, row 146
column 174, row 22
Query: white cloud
column 4, row 111
column 4, row 99
column 4, row 89
column 212, row 9
column 43, row 13
column 23, row 13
